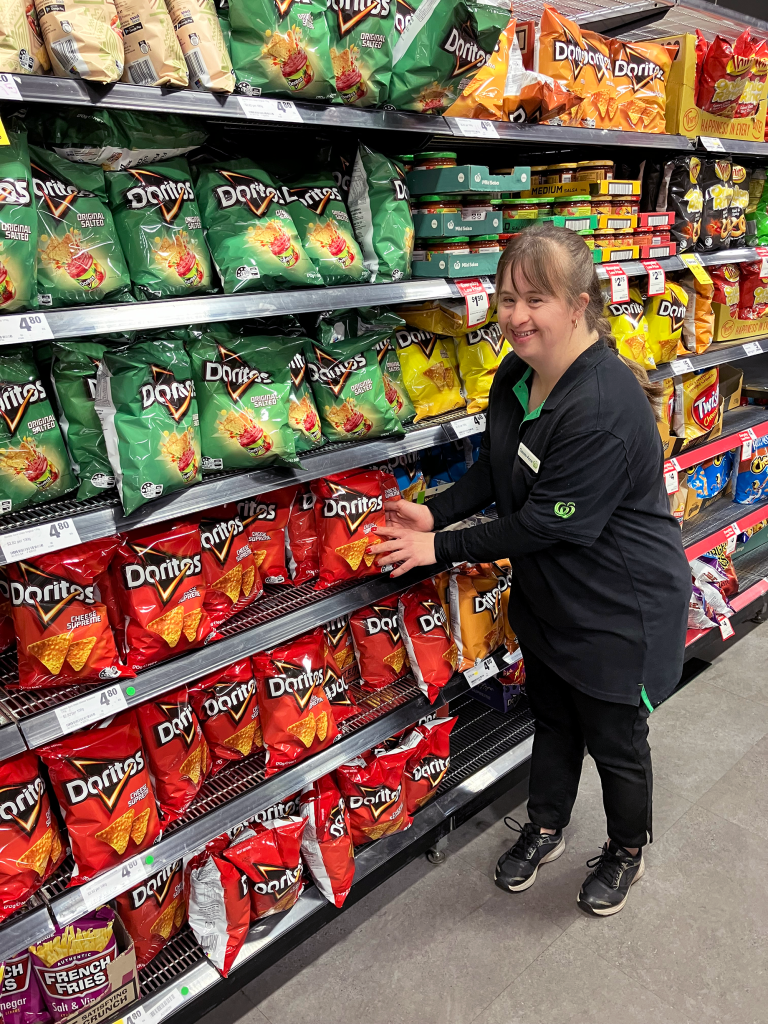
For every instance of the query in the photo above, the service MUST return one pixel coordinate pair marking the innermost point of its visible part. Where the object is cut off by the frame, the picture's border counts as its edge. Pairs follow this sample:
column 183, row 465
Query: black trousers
column 616, row 735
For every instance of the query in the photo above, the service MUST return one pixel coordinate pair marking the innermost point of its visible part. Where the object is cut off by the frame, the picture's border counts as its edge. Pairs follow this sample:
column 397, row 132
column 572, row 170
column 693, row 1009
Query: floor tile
column 741, row 795
column 238, row 1009
column 735, row 670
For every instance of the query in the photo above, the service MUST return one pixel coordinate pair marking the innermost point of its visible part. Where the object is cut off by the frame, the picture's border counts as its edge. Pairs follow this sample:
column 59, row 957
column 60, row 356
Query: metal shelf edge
column 714, row 357
column 32, row 927
column 729, row 439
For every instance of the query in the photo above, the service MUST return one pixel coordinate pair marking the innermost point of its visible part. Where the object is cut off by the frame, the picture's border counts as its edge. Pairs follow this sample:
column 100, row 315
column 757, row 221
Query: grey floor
column 443, row 945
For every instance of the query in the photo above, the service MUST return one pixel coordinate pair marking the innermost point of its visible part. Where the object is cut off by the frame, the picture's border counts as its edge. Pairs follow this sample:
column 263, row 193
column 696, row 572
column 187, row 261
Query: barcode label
column 577, row 225
column 198, row 72
column 68, row 55
column 619, row 222
column 142, row 72
column 620, row 188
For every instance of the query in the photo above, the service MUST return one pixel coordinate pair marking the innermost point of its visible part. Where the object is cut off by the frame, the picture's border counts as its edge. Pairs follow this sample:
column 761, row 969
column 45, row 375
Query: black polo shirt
column 600, row 583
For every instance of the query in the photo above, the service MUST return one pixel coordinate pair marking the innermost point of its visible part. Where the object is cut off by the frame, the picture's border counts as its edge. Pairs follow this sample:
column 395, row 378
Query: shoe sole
column 613, row 910
column 558, row 851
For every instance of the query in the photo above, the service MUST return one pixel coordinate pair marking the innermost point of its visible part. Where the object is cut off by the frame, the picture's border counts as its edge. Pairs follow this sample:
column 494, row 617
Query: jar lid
column 405, row 158
column 434, row 156
column 595, row 163
column 525, row 202
column 567, row 200
column 562, row 167
column 448, row 198
column 430, row 242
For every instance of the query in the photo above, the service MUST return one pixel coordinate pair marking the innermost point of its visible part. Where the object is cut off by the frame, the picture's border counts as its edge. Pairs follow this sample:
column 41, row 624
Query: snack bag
column 680, row 191
column 667, row 401
column 82, row 951
column 640, row 74
column 715, row 181
column 373, row 789
column 30, row 843
column 428, row 362
column 392, row 375
column 18, row 228
column 429, row 762
column 423, row 627
column 145, row 399
column 232, row 581
column 726, row 281
column 159, row 579
column 379, row 205
column 21, row 998
column 480, row 354
column 218, row 904
column 379, row 645
column 22, row 51
column 336, row 686
column 152, row 52
column 753, row 92
column 665, row 315
column 737, row 214
column 158, row 223
column 226, row 707
column 408, row 474
column 321, row 218
column 751, row 481
column 699, row 323
column 115, row 817
column 344, row 324
column 7, row 632
column 753, row 291
column 710, row 477
column 34, row 464
column 349, row 509
column 349, row 389
column 340, row 669
column 202, row 43
column 483, row 96
column 301, row 547
column 242, row 392
column 83, row 38
column 630, row 329
column 302, row 411
column 270, row 855
column 265, row 520
column 326, row 844
column 154, row 911
column 697, row 403
column 722, row 78
column 296, row 718
column 281, row 49
column 579, row 61
column 476, row 622
column 361, row 38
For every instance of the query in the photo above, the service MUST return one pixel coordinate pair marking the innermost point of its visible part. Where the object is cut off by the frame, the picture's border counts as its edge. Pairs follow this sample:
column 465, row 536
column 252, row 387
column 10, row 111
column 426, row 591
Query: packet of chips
column 408, row 475
column 152, row 52
column 345, row 324
column 431, row 651
column 428, row 362
column 270, row 855
column 753, row 291
column 580, row 62
column 265, row 520
column 102, row 784
column 21, row 998
column 667, row 401
column 326, row 844
column 302, row 411
column 724, row 74
column 379, row 205
column 753, row 92
column 158, row 223
column 392, row 375
column 483, row 96
column 18, row 228
column 476, row 622
column 665, row 315
column 232, row 580
column 480, row 354
column 218, row 904
column 530, row 97
column 301, row 547
column 372, row 786
column 349, row 508
column 226, row 707
column 630, row 329
column 22, row 51
column 699, row 323
column 361, row 38
column 340, row 649
column 83, row 38
column 337, row 690
column 726, row 283
column 321, row 218
column 154, row 911
column 680, row 191
column 380, row 650
column 751, row 479
column 640, row 74
column 717, row 188
column 737, row 213
column 7, row 632
column 202, row 43
column 429, row 761
column 145, row 399
column 697, row 403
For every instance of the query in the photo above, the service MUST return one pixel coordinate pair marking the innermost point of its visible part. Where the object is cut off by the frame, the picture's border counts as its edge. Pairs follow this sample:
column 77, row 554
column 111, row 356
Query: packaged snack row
column 740, row 474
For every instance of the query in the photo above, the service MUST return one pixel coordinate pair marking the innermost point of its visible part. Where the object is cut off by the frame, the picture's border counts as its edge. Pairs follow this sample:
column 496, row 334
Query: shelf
column 715, row 355
column 717, row 523
column 740, row 425
column 634, row 268
column 752, row 571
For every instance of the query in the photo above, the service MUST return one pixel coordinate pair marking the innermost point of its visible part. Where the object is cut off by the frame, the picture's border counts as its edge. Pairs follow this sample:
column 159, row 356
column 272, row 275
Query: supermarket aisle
column 443, row 945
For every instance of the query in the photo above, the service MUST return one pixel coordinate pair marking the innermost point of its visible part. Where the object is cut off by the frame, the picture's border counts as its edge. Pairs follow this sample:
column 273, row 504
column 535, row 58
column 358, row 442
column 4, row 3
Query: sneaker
column 606, row 887
column 518, row 867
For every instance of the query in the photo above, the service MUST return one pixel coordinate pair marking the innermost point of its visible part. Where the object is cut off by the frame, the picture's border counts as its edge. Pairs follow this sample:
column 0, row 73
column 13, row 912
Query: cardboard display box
column 466, row 178
column 729, row 328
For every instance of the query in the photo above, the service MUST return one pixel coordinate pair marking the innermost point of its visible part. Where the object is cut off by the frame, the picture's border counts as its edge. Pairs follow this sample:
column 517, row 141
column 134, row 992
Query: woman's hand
column 411, row 547
column 409, row 516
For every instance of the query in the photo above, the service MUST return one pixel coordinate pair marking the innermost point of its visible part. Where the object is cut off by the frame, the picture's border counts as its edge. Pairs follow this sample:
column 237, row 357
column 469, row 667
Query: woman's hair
column 558, row 262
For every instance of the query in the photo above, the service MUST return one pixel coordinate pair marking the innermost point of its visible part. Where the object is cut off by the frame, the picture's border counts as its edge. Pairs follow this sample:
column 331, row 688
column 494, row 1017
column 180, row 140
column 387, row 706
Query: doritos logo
column 637, row 68
column 384, row 621
column 287, row 808
column 58, row 196
column 276, row 878
column 633, row 310
column 263, row 511
column 180, row 722
column 154, row 189
column 433, row 769
column 245, row 190
column 164, row 572
column 295, row 680
column 490, row 334
column 336, row 689
column 21, row 805
column 298, row 368
column 399, row 186
column 158, row 886
column 463, row 46
column 490, row 601
column 332, row 372
column 217, row 536
column 351, row 12
column 580, row 55
column 426, row 340
column 16, row 398
column 230, row 699
column 675, row 311
column 432, row 618
column 334, row 631
column 403, row 14
column 236, row 375
column 376, row 798
column 15, row 191
column 103, row 779
column 47, row 594
column 315, row 199
column 174, row 394
column 351, row 506
column 337, row 822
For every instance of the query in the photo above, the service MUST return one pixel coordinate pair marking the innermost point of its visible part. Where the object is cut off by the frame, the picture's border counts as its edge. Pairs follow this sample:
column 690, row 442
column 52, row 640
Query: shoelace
column 608, row 867
column 529, row 840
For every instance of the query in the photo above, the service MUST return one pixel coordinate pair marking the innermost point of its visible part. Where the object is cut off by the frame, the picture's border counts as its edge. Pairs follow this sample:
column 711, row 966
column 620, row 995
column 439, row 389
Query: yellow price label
column 4, row 140
column 692, row 260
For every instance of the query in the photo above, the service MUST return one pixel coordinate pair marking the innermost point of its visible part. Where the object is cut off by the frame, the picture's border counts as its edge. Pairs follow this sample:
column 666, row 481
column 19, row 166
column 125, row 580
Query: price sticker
column 476, row 298
column 681, row 366
column 25, row 327
column 671, row 479
column 753, row 348
column 488, row 284
column 692, row 260
column 39, row 540
column 465, row 426
column 473, row 128
column 762, row 252
column 746, row 448
column 259, row 108
column 510, row 657
column 9, row 90
column 91, row 708
column 619, row 283
column 657, row 281
column 730, row 545
column 480, row 672
column 712, row 144
column 163, row 1008
column 132, row 871
column 726, row 629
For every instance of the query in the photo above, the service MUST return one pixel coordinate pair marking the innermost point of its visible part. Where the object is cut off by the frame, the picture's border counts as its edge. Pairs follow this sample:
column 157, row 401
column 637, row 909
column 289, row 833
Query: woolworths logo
column 565, row 509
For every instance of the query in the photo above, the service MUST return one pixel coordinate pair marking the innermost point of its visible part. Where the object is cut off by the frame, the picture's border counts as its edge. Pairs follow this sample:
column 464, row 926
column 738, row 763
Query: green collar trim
column 523, row 395
column 644, row 696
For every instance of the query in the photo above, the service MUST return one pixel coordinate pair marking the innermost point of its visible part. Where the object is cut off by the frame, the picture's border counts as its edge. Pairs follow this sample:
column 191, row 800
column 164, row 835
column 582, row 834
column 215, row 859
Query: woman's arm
column 469, row 494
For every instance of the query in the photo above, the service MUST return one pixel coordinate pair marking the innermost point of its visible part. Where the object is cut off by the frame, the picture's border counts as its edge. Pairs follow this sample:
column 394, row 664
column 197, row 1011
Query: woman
column 600, row 584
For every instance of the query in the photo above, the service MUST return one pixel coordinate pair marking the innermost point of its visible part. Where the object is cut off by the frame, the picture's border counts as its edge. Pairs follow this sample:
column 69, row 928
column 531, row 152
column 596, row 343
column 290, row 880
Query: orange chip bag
column 477, row 626
column 697, row 403
column 484, row 96
column 580, row 62
column 640, row 74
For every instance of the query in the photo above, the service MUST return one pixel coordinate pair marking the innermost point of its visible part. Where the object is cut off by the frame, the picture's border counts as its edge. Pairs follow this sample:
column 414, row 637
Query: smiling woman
column 572, row 458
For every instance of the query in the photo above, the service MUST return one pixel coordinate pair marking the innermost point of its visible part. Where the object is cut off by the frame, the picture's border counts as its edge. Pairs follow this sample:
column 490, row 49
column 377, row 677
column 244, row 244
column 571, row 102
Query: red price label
column 762, row 253
column 476, row 298
column 657, row 281
column 619, row 282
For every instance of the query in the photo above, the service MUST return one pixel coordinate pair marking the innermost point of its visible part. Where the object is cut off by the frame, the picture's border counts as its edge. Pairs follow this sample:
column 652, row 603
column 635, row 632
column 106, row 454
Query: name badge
column 529, row 458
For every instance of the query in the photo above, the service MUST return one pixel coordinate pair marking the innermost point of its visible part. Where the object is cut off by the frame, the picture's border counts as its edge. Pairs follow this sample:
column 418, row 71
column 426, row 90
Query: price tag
column 133, row 871
column 39, row 540
column 466, row 426
column 24, row 328
column 746, row 450
column 753, row 348
column 657, row 281
column 162, row 1008
column 510, row 658
column 4, row 140
column 488, row 284
column 619, row 283
column 730, row 545
column 681, row 366
column 712, row 144
column 762, row 252
column 474, row 128
column 484, row 670
column 692, row 260
column 476, row 298
column 9, row 90
column 91, row 708
column 261, row 109
column 671, row 479
column 726, row 629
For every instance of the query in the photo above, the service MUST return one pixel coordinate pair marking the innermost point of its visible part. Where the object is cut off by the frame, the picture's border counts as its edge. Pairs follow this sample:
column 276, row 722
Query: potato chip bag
column 580, row 62
column 152, row 52
column 665, row 315
column 270, row 855
column 737, row 214
column 154, row 911
column 372, row 786
column 753, row 291
column 717, row 188
column 226, row 707
column 483, row 97
column 345, row 324
column 630, row 329
column 751, row 479
column 22, row 51
column 380, row 650
column 349, row 508
column 640, row 74
column 18, row 228
column 321, row 218
column 726, row 281
column 361, row 37
column 423, row 626
column 83, row 38
column 199, row 33
column 265, row 519
column 443, row 316
column 428, row 363
column 723, row 76
column 480, row 354
column 753, row 92
column 326, row 843
column 232, row 581
column 697, row 403
column 218, row 904
column 680, row 191
column 302, row 410
column 379, row 205
column 477, row 624
column 21, row 997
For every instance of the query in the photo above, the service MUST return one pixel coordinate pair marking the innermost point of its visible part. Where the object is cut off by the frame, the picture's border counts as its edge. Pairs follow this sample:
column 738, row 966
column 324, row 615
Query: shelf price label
column 712, row 144
column 159, row 1011
column 39, row 540
column 762, row 252
column 8, row 88
column 671, row 479
column 473, row 128
column 692, row 261
column 465, row 426
column 484, row 670
column 76, row 714
column 726, row 629
column 657, row 281
column 753, row 348
column 24, row 327
column 679, row 366
column 476, row 298
column 259, row 108
column 619, row 282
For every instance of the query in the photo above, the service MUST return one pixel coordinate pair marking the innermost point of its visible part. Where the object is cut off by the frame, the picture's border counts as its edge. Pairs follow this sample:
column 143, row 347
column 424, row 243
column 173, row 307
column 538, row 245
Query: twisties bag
column 580, row 62
column 428, row 362
column 630, row 329
column 361, row 38
column 640, row 75
column 83, row 38
column 697, row 403
column 480, row 354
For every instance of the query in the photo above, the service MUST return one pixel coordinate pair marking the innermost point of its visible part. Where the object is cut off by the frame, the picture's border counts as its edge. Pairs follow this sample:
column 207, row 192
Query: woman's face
column 533, row 322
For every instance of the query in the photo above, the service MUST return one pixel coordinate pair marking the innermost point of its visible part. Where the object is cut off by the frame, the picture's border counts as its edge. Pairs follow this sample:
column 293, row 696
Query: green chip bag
column 79, row 258
column 18, row 228
column 253, row 240
column 361, row 55
column 281, row 48
column 381, row 215
column 302, row 411
column 440, row 50
column 243, row 391
column 34, row 464
column 342, row 324
column 158, row 223
column 73, row 372
column 145, row 399
column 349, row 390
column 392, row 374
column 321, row 218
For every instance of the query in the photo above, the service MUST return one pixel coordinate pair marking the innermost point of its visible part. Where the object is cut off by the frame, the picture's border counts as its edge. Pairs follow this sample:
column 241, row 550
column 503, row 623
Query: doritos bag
column 530, row 97
column 102, row 784
column 379, row 645
column 503, row 575
column 408, row 475
column 21, row 998
column 265, row 520
column 18, row 228
column 30, row 844
column 476, row 624
column 361, row 38
column 161, row 588
column 665, row 315
column 177, row 754
column 153, row 911
column 753, row 291
column 373, row 789
column 201, row 40
column 667, row 400
column 697, row 403
column 722, row 78
column 22, row 51
column 321, row 218
column 580, row 62
column 423, row 627
column 340, row 648
column 480, row 354
column 716, row 185
column 379, row 205
column 348, row 510
column 296, row 718
column 83, row 38
column 751, row 479
column 429, row 761
column 60, row 618
column 326, row 844
column 428, row 363
column 726, row 282
column 270, row 855
column 392, row 375
column 640, row 74
column 7, row 632
column 630, row 329
column 302, row 411
column 152, row 52
column 336, row 686
column 680, row 191
column 218, row 904
column 232, row 581
column 301, row 546
column 226, row 707
column 483, row 97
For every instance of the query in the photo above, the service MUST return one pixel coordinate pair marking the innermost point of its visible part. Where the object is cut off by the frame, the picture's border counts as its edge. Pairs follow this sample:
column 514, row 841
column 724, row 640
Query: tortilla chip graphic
column 369, row 556
column 169, row 625
column 37, row 856
column 395, row 659
column 452, row 656
column 259, row 556
column 382, row 829
column 79, row 652
column 230, row 583
column 55, row 845
column 321, row 725
column 139, row 826
column 344, row 657
column 192, row 768
column 118, row 833
column 191, row 622
column 242, row 740
column 249, row 574
column 304, row 730
column 180, row 914
column 163, row 923
column 353, row 553
column 52, row 651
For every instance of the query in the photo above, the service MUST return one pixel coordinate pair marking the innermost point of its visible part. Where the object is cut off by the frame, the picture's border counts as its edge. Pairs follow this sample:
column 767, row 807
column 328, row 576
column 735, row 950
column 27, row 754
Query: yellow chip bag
column 697, row 403
column 428, row 361
column 665, row 315
column 630, row 329
column 442, row 316
column 480, row 354
column 477, row 624
column 667, row 401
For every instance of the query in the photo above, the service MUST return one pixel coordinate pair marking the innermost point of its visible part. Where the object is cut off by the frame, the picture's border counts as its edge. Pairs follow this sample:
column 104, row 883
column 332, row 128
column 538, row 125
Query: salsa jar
column 560, row 174
column 573, row 206
column 432, row 161
column 485, row 243
column 594, row 170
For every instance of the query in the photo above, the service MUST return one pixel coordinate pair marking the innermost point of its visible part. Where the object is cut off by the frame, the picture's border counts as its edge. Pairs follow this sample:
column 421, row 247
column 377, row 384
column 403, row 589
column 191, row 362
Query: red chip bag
column 725, row 280
column 724, row 74
column 327, row 845
column 754, row 90
column 380, row 649
column 218, row 904
column 30, row 844
column 159, row 577
column 431, row 652
column 7, row 632
column 349, row 509
column 373, row 788
column 232, row 581
column 270, row 855
column 753, row 291
column 226, row 707
column 296, row 718
column 176, row 752
column 61, row 623
column 153, row 911
column 340, row 697
column 288, row 807
column 301, row 538
column 265, row 519
column 339, row 648
column 101, row 781
column 429, row 761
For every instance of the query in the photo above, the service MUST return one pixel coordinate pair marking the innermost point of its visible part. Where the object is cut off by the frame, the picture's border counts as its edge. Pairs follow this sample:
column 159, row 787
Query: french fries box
column 685, row 118
column 729, row 328
column 123, row 983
